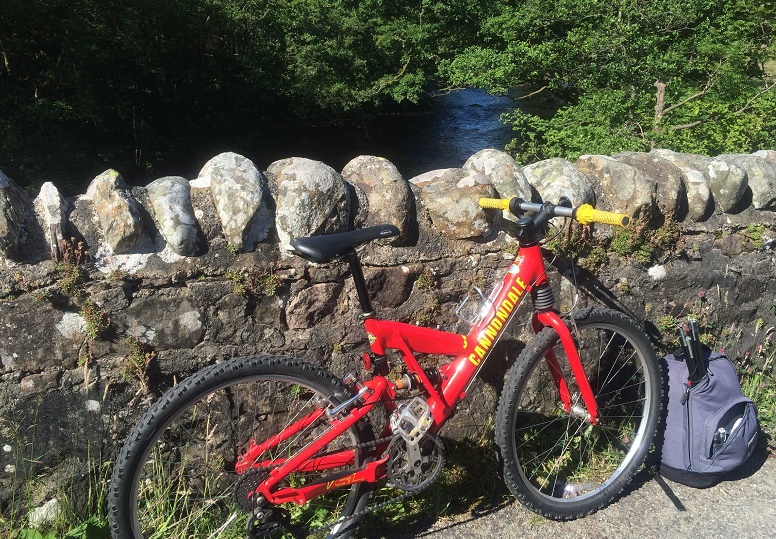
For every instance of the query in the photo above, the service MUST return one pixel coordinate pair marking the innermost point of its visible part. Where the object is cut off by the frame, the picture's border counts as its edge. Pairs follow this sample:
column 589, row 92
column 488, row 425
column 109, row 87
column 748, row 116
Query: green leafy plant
column 667, row 324
column 576, row 241
column 427, row 280
column 266, row 282
column 758, row 377
column 426, row 315
column 136, row 362
column 71, row 269
column 237, row 277
column 85, row 355
column 97, row 323
column 42, row 296
column 647, row 239
column 117, row 275
column 755, row 233
column 512, row 248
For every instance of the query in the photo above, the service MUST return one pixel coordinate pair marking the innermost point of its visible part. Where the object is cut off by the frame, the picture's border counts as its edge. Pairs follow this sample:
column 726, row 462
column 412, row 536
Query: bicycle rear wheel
column 557, row 463
column 175, row 476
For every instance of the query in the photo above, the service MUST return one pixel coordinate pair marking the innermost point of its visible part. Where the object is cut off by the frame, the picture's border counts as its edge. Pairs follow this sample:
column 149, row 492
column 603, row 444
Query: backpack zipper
column 686, row 402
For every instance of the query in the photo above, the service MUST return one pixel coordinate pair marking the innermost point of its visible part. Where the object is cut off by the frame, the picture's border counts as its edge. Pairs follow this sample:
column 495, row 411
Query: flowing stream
column 457, row 125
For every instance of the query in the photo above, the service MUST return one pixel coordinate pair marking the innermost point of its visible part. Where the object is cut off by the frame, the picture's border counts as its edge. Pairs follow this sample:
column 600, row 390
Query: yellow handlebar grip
column 494, row 203
column 586, row 214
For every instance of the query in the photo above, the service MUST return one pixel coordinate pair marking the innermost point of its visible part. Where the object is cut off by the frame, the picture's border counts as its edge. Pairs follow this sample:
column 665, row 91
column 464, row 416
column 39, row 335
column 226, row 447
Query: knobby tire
column 557, row 463
column 175, row 477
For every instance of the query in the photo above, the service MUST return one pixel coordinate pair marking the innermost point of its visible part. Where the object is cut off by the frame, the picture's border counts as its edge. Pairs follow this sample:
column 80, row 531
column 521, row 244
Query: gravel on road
column 742, row 507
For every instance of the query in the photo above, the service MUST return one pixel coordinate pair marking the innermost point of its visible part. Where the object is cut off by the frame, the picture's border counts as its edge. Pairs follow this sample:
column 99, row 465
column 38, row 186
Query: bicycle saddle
column 331, row 246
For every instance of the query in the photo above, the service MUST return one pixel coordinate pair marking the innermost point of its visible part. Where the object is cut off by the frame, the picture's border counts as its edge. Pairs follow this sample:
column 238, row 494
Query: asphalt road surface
column 742, row 507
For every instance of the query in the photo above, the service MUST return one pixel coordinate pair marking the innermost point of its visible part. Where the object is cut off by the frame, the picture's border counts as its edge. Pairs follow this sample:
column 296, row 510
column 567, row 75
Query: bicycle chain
column 372, row 508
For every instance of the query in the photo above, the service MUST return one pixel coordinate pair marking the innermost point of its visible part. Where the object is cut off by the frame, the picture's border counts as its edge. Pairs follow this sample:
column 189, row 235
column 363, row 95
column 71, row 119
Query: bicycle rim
column 565, row 466
column 185, row 484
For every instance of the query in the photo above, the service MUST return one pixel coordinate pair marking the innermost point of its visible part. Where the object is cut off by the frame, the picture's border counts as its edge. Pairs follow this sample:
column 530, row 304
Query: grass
column 80, row 515
column 758, row 378
column 469, row 484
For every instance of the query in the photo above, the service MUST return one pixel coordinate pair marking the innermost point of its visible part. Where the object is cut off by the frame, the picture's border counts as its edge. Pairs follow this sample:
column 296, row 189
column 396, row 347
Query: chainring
column 413, row 477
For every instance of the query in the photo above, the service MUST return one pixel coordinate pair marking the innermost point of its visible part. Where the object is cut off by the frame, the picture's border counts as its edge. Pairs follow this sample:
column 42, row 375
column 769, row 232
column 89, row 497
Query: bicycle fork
column 306, row 461
column 551, row 319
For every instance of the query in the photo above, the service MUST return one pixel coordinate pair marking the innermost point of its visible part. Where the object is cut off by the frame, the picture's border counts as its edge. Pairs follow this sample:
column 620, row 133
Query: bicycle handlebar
column 584, row 214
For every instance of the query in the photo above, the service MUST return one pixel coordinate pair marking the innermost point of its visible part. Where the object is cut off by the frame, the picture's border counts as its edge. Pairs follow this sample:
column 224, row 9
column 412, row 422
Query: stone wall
column 111, row 297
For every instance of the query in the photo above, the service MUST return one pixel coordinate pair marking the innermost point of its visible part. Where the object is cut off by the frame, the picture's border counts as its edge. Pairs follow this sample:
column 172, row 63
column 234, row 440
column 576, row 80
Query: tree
column 692, row 75
column 86, row 84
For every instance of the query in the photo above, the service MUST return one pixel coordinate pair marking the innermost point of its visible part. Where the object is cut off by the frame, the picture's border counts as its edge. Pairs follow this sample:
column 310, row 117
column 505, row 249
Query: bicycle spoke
column 565, row 465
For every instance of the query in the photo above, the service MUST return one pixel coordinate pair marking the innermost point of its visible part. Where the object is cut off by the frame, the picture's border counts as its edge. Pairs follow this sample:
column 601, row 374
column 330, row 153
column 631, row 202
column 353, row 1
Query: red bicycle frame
column 469, row 352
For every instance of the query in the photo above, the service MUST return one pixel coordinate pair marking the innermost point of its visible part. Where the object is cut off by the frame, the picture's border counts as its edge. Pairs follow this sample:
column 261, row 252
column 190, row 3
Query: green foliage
column 97, row 323
column 34, row 534
column 667, row 324
column 608, row 63
column 265, row 282
column 427, row 280
column 42, row 296
column 237, row 277
column 136, row 362
column 134, row 86
column 647, row 239
column 758, row 379
column 93, row 528
column 576, row 241
column 70, row 278
column 755, row 234
column 71, row 269
column 259, row 283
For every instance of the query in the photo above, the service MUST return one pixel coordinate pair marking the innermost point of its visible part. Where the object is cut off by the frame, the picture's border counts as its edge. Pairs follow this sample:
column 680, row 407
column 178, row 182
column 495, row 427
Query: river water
column 443, row 134
column 455, row 126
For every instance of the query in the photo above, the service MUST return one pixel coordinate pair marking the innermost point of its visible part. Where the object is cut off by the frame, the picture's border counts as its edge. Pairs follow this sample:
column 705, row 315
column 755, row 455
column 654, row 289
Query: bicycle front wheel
column 555, row 462
column 175, row 476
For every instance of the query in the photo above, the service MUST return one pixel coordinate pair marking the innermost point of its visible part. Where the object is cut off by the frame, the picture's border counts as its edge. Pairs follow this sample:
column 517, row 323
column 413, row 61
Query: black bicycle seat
column 332, row 246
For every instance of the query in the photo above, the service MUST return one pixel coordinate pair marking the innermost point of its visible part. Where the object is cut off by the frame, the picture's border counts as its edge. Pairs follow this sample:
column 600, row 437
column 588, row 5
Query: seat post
column 367, row 311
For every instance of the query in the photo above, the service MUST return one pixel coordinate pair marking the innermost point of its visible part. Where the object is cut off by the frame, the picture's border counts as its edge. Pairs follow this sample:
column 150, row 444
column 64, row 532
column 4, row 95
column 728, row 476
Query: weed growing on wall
column 758, row 376
column 97, row 323
column 266, row 282
column 42, row 296
column 755, row 233
column 427, row 280
column 135, row 364
column 648, row 240
column 237, row 277
column 71, row 269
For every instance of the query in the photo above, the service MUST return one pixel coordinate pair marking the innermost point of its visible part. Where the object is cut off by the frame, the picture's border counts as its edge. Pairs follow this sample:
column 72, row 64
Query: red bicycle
column 268, row 445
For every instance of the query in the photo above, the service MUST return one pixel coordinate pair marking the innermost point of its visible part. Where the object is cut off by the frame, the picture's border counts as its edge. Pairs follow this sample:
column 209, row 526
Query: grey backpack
column 710, row 428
